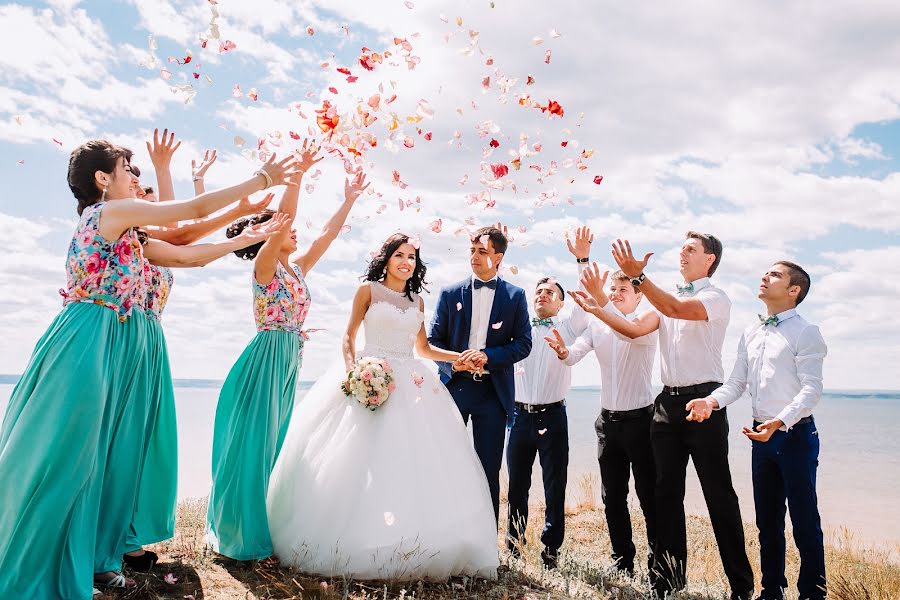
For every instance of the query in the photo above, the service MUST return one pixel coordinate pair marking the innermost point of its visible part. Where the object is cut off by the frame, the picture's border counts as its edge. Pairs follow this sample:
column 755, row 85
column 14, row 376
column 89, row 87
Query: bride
column 396, row 493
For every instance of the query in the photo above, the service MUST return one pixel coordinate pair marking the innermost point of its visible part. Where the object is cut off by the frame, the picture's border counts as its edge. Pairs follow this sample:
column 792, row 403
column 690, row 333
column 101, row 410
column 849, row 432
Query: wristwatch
column 636, row 281
column 583, row 260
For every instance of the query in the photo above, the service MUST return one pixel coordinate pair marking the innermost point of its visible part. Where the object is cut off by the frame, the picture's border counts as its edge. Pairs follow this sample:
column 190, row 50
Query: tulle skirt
column 254, row 409
column 69, row 446
column 157, row 496
column 396, row 493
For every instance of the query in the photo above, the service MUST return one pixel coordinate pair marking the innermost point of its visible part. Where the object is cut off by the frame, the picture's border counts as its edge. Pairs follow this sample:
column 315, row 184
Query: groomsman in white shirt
column 779, row 363
column 691, row 328
column 540, row 426
column 626, row 400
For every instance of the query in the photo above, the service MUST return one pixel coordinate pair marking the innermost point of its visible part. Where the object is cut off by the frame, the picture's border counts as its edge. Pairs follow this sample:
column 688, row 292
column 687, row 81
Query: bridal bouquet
column 370, row 382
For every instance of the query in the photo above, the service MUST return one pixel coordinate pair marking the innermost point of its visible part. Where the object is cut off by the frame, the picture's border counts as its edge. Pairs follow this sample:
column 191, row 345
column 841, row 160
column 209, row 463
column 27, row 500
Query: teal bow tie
column 548, row 322
column 685, row 289
column 773, row 320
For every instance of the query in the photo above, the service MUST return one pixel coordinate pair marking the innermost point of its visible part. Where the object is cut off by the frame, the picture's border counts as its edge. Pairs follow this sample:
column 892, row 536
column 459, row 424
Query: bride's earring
column 103, row 195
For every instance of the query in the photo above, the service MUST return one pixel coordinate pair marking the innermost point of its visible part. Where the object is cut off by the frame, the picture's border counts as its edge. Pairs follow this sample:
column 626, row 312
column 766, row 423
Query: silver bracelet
column 266, row 176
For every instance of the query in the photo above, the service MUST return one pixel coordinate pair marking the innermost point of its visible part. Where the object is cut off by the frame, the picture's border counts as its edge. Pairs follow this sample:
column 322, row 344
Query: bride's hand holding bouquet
column 370, row 381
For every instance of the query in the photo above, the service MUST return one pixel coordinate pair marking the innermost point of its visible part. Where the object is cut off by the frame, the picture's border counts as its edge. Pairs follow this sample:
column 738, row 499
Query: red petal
column 598, row 179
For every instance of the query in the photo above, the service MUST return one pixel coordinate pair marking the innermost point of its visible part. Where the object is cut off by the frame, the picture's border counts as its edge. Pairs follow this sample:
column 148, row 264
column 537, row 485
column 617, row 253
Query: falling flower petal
column 345, row 229
column 170, row 579
column 554, row 33
column 389, row 518
column 598, row 179
column 310, row 31
column 537, row 41
column 547, row 57
column 408, row 4
column 459, row 306
column 236, row 91
column 514, row 269
column 499, row 170
column 436, row 225
column 252, row 94
column 238, row 140
column 417, row 379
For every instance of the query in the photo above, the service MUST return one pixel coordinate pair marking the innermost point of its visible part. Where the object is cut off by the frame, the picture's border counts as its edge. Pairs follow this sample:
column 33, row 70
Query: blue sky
column 777, row 128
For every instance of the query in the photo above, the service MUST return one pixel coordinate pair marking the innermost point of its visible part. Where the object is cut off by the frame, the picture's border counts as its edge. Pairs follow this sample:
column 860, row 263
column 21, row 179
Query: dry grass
column 855, row 571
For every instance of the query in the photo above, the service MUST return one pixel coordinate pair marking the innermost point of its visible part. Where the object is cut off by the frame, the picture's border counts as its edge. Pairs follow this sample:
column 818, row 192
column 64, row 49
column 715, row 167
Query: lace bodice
column 391, row 323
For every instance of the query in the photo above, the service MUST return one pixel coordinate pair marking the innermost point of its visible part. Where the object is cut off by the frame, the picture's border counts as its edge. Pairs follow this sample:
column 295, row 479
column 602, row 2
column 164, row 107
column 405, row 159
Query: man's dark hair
column 711, row 245
column 552, row 280
column 799, row 276
column 498, row 240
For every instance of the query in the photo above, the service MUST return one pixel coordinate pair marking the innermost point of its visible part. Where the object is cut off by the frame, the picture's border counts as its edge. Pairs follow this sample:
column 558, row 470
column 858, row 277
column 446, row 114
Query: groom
column 486, row 318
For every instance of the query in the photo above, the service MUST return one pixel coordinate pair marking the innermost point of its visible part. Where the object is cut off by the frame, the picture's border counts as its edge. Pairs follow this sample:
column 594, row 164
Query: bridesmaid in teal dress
column 257, row 397
column 65, row 441
column 154, row 510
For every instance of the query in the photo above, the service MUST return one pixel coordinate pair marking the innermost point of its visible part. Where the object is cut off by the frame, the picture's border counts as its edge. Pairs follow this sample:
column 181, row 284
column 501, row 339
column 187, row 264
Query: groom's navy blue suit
column 488, row 402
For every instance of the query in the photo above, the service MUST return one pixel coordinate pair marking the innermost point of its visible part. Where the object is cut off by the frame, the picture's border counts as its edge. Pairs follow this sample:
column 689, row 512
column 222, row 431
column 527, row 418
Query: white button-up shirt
column 482, row 302
column 781, row 367
column 542, row 377
column 626, row 364
column 690, row 352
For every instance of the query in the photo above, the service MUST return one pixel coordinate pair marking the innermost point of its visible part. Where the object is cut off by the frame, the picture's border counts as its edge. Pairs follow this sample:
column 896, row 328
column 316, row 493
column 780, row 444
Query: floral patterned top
column 159, row 284
column 103, row 272
column 283, row 304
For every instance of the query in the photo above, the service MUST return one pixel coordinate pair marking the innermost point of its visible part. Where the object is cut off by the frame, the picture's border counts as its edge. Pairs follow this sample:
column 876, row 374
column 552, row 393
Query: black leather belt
column 686, row 390
column 802, row 421
column 539, row 408
column 614, row 416
column 472, row 376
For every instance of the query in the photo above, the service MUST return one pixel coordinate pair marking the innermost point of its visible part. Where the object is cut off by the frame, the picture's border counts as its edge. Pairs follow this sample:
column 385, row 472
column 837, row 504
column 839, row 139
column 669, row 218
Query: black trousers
column 674, row 441
column 784, row 473
column 623, row 446
column 545, row 434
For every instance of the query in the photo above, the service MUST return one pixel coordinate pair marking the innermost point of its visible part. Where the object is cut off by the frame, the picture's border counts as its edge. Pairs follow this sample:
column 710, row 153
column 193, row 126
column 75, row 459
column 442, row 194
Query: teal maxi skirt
column 66, row 444
column 252, row 416
column 154, row 513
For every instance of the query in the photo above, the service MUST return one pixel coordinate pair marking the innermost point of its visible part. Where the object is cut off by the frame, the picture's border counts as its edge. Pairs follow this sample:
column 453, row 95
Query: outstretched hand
column 281, row 172
column 585, row 301
column 209, row 157
column 306, row 156
column 621, row 251
column 581, row 248
column 763, row 431
column 246, row 207
column 263, row 231
column 558, row 345
column 161, row 150
column 593, row 282
column 355, row 186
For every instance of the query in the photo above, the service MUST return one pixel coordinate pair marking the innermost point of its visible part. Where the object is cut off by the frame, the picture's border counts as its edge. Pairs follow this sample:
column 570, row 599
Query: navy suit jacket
column 508, row 335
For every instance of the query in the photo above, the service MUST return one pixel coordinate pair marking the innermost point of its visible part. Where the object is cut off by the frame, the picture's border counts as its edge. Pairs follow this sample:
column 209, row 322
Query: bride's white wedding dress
column 396, row 493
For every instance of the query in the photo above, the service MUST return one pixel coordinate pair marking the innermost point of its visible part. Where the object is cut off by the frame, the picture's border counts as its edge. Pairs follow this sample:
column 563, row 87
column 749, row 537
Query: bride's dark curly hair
column 377, row 269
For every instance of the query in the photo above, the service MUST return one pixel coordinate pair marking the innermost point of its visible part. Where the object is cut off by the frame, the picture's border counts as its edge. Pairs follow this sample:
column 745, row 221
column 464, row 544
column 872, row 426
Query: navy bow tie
column 492, row 284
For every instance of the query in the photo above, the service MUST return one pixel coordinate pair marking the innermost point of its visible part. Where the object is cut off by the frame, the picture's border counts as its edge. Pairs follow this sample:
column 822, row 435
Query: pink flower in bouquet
column 366, row 376
column 385, row 365
column 392, row 387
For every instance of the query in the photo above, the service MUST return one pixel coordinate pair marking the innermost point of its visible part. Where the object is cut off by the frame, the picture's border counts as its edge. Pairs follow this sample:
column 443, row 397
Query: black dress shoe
column 550, row 558
column 742, row 595
column 142, row 563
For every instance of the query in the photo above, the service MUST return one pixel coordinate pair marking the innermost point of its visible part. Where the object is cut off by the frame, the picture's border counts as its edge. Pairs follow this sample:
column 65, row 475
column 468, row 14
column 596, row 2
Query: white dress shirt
column 781, row 367
column 542, row 377
column 690, row 352
column 626, row 364
column 482, row 302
